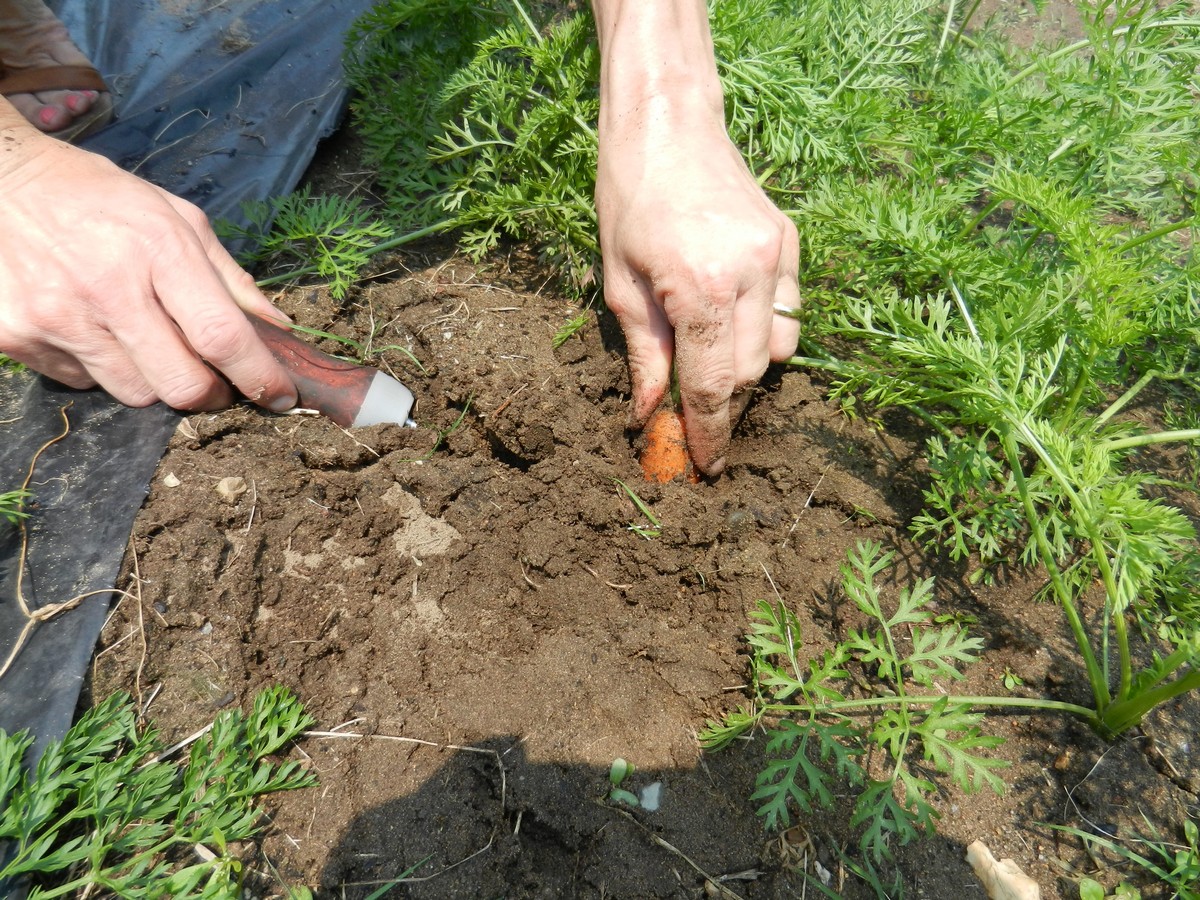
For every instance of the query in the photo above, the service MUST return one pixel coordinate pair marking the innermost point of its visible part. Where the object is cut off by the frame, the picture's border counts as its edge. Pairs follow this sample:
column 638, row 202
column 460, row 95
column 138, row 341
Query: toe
column 79, row 102
column 50, row 116
column 54, row 110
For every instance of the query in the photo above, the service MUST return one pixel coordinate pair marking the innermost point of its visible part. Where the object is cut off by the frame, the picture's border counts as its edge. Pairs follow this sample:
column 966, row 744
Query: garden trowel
column 353, row 396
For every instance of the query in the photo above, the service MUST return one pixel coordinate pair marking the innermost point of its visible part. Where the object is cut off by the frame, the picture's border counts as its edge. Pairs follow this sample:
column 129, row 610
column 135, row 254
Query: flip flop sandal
column 63, row 78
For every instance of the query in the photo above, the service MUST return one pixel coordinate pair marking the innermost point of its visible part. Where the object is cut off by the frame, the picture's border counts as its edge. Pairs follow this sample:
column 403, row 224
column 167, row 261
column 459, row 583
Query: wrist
column 657, row 63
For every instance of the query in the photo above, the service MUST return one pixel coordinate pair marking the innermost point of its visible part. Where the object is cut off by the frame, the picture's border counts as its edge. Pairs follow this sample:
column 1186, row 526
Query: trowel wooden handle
column 333, row 387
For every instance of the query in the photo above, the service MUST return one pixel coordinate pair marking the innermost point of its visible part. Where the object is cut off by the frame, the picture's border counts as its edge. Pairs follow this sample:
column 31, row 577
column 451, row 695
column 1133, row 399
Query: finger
column 785, row 331
column 102, row 362
column 737, row 405
column 707, row 424
column 705, row 365
column 198, row 299
column 237, row 281
column 752, row 326
column 649, row 340
column 54, row 364
column 150, row 359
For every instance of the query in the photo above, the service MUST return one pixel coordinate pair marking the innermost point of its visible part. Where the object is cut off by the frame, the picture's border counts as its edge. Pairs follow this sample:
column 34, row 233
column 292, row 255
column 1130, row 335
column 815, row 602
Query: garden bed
column 481, row 619
column 473, row 587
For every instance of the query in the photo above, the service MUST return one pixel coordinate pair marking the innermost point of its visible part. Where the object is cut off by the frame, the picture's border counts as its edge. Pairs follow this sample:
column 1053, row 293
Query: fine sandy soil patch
column 473, row 588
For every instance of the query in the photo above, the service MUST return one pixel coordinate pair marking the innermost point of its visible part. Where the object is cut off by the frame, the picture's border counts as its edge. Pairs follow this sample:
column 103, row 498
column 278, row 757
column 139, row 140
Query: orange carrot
column 665, row 456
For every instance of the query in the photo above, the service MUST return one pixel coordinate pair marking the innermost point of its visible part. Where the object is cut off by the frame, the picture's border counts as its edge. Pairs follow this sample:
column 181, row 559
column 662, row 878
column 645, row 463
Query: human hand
column 695, row 257
column 106, row 279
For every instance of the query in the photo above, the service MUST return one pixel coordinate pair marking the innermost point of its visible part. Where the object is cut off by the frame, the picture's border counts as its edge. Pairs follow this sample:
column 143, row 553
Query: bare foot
column 31, row 39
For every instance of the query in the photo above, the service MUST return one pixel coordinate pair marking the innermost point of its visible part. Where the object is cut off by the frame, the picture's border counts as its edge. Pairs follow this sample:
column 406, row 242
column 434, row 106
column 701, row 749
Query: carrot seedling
column 617, row 773
column 655, row 528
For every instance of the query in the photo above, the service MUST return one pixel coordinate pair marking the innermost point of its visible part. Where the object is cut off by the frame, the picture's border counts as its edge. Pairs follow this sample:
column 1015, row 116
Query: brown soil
column 468, row 604
column 483, row 598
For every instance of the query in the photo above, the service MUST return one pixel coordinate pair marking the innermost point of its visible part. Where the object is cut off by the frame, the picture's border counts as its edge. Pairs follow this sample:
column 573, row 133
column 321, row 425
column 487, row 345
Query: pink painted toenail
column 47, row 114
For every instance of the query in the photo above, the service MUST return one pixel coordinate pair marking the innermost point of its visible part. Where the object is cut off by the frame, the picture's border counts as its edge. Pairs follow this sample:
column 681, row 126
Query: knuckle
column 124, row 382
column 136, row 396
column 752, row 369
column 711, row 396
column 187, row 390
column 163, row 245
column 764, row 244
column 241, row 282
column 719, row 280
column 219, row 338
column 189, row 212
column 81, row 381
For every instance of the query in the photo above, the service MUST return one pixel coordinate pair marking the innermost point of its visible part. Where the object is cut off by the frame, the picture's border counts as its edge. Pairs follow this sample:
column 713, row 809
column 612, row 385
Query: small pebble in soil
column 231, row 488
column 650, row 797
column 738, row 519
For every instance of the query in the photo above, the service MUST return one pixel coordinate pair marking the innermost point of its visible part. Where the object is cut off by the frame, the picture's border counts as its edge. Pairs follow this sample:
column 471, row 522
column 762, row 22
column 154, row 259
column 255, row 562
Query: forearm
column 656, row 61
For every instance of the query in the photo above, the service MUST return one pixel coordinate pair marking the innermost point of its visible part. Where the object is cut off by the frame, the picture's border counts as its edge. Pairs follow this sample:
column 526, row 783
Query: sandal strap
column 51, row 78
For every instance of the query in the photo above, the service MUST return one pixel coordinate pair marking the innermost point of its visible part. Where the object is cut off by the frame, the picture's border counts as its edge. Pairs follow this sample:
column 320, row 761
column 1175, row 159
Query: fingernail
column 282, row 404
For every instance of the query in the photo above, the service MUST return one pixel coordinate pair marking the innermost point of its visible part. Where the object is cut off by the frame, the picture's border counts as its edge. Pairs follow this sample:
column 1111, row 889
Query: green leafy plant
column 399, row 55
column 618, row 772
column 495, row 129
column 1011, row 680
column 1010, row 279
column 332, row 236
column 1176, row 865
column 103, row 809
column 654, row 529
column 1089, row 889
column 816, row 730
column 569, row 329
column 12, row 505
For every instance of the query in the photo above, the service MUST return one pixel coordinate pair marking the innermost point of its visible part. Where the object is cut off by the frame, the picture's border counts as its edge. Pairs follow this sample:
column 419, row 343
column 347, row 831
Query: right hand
column 695, row 258
column 108, row 280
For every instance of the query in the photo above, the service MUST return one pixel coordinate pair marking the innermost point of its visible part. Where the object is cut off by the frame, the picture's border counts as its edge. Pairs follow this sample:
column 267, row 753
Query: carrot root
column 665, row 456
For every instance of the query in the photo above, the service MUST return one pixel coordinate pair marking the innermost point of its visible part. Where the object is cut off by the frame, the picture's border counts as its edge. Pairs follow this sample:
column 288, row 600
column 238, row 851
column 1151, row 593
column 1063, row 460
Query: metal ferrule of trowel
column 353, row 396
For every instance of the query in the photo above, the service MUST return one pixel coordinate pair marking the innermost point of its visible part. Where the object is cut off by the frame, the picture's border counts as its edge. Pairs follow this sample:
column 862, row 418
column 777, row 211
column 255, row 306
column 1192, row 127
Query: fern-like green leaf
column 937, row 652
column 794, row 778
column 949, row 738
column 886, row 820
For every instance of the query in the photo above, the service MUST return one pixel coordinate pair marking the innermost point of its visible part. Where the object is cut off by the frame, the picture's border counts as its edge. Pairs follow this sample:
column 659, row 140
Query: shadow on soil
column 492, row 823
